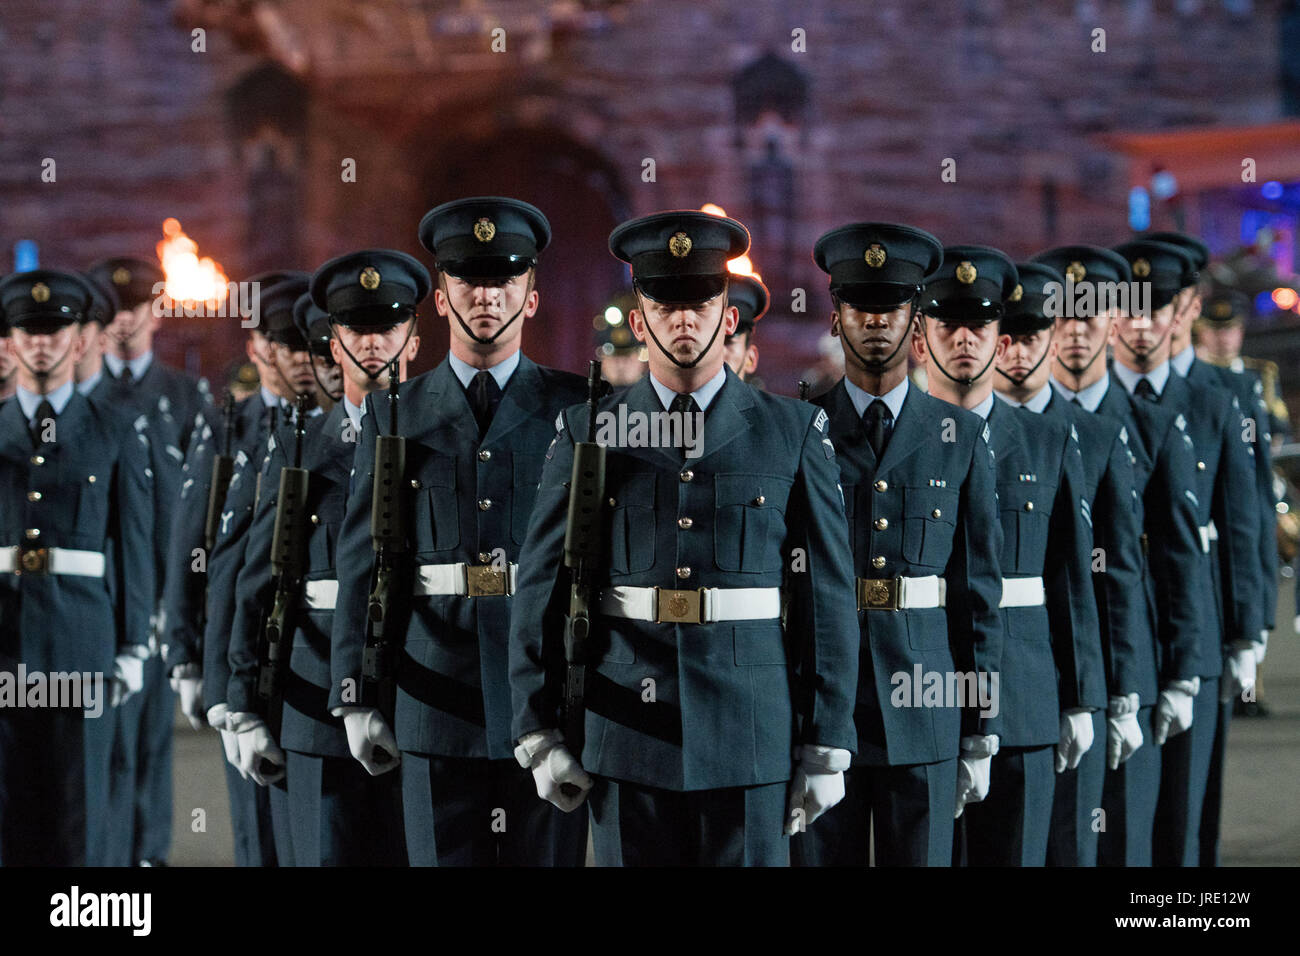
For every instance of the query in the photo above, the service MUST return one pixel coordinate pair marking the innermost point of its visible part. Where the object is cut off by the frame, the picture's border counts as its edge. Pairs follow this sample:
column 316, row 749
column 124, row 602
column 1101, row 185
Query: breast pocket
column 523, row 493
column 92, row 501
column 749, row 521
column 1026, row 515
column 929, row 520
column 324, row 530
column 632, row 525
column 437, row 514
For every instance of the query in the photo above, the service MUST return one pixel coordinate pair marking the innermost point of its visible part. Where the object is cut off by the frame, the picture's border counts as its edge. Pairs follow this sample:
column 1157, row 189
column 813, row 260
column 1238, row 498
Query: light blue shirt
column 501, row 371
column 58, row 399
column 86, row 386
column 354, row 412
column 703, row 395
column 1090, row 397
column 1036, row 402
column 984, row 407
column 1158, row 377
column 893, row 399
column 1182, row 362
column 139, row 365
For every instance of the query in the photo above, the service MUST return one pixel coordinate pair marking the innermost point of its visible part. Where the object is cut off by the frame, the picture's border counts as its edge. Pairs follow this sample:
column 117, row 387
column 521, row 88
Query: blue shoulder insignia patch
column 819, row 422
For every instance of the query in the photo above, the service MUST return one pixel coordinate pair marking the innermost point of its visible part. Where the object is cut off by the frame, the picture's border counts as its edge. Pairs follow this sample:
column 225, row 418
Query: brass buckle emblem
column 485, row 581
column 34, row 561
column 878, row 594
column 678, row 607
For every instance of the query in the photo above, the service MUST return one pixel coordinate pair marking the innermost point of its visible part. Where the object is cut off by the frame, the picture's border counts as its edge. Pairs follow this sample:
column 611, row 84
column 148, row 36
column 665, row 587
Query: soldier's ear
column 412, row 347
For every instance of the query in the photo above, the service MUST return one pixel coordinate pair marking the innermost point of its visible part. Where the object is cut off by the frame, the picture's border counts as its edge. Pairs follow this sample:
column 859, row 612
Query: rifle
column 288, row 567
column 388, row 507
column 583, row 554
column 223, row 466
column 803, row 390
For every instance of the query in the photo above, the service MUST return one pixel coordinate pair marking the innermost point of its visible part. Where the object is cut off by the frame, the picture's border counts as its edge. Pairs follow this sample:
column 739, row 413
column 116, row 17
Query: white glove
column 557, row 774
column 259, row 755
column 1076, row 738
column 1239, row 671
column 1174, row 708
column 128, row 677
column 371, row 740
column 1123, row 733
column 1261, row 647
column 973, row 770
column 230, row 744
column 187, row 683
column 817, row 785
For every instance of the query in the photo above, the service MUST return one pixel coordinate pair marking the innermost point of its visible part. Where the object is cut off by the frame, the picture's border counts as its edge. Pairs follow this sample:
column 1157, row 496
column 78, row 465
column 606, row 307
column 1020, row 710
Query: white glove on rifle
column 557, row 774
column 1123, row 733
column 817, row 785
column 973, row 769
column 1239, row 671
column 1076, row 738
column 128, row 677
column 1174, row 708
column 371, row 740
column 217, row 714
column 259, row 755
column 187, row 683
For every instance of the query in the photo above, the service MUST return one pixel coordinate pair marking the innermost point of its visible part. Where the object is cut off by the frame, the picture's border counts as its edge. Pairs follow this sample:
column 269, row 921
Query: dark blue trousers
column 250, row 818
column 1184, row 772
column 1129, row 800
column 1009, row 827
column 1212, row 809
column 1076, row 805
column 342, row 816
column 909, row 808
column 140, row 799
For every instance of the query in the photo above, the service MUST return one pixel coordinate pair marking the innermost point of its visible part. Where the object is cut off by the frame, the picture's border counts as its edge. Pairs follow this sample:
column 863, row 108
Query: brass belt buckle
column 877, row 594
column 677, row 607
column 484, row 581
column 33, row 561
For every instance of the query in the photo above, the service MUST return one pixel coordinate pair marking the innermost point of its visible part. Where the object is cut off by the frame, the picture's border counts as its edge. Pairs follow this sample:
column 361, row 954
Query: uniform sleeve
column 133, row 541
column 822, row 614
column 253, row 587
column 536, row 651
column 1122, row 607
column 974, row 577
column 183, row 584
column 1268, row 558
column 1235, row 511
column 1071, row 605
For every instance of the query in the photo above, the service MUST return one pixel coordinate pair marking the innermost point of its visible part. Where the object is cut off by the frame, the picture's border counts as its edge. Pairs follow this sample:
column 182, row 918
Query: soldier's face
column 622, row 369
column 329, row 374
column 1078, row 340
column 1025, row 352
column 130, row 325
column 46, row 351
column 685, row 330
column 965, row 350
column 7, row 361
column 486, row 305
column 294, row 366
column 1223, row 342
column 1146, row 338
column 738, row 353
column 374, row 350
column 873, row 336
column 92, row 343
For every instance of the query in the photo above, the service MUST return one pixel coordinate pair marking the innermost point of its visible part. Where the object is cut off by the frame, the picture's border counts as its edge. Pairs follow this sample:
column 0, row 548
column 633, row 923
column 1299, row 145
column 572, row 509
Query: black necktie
column 127, row 377
column 44, row 412
column 1145, row 390
column 877, row 421
column 484, row 397
column 684, row 405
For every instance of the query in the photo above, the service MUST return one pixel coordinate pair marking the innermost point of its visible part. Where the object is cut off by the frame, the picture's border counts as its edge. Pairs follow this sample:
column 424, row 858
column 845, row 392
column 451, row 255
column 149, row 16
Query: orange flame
column 189, row 278
column 741, row 265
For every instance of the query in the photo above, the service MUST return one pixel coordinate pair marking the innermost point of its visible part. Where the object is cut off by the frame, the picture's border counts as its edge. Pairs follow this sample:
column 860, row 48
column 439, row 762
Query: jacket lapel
column 846, row 426
column 519, row 402
column 15, row 439
column 728, row 415
column 450, row 403
column 913, row 428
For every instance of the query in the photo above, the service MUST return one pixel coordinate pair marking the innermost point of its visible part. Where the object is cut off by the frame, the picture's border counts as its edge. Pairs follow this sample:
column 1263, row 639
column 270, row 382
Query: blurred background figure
column 828, row 369
column 750, row 297
column 622, row 358
column 242, row 380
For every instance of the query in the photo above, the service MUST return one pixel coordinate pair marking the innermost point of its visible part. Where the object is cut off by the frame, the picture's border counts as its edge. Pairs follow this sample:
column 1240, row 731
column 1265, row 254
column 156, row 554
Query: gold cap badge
column 1141, row 268
column 41, row 292
column 484, row 229
column 1076, row 271
column 369, row 278
column 121, row 275
column 679, row 244
column 966, row 272
column 875, row 255
column 1222, row 310
column 1017, row 293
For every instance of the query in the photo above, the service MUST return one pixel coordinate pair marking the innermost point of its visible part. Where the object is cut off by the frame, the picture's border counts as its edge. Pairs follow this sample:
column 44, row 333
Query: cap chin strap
column 321, row 385
column 287, row 386
column 392, row 360
column 40, row 375
column 1020, row 382
column 442, row 284
column 1078, row 376
column 1137, row 355
column 963, row 382
column 874, row 366
column 712, row 338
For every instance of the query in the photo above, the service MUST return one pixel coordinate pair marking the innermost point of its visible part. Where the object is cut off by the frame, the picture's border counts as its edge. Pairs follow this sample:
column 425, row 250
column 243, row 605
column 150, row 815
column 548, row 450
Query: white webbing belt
column 463, row 579
column 1023, row 592
column 87, row 564
column 320, row 595
column 715, row 604
column 901, row 594
column 1209, row 533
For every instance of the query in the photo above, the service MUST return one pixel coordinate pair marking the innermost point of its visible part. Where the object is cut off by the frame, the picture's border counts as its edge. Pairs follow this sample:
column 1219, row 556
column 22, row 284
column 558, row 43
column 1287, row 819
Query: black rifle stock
column 388, row 508
column 223, row 466
column 584, row 550
column 803, row 390
column 288, row 567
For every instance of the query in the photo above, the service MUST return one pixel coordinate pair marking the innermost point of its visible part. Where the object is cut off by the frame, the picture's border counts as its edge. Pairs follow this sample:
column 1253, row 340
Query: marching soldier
column 748, row 295
column 474, row 430
column 8, row 364
column 339, row 814
column 1227, row 499
column 1118, row 566
column 197, row 518
column 922, row 515
column 291, row 376
column 76, row 590
column 687, row 710
column 1163, row 469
